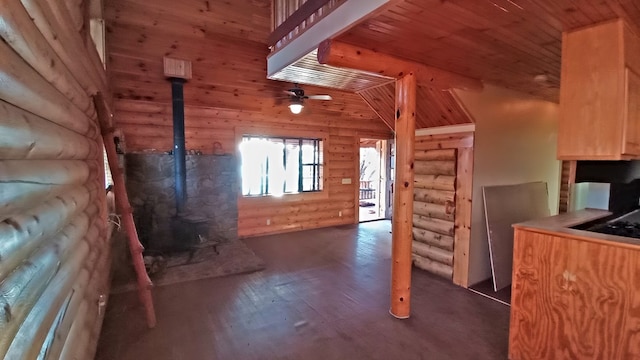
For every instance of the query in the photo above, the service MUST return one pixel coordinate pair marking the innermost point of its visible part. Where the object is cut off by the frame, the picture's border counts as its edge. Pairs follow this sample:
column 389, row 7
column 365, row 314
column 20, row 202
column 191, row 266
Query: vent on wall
column 177, row 68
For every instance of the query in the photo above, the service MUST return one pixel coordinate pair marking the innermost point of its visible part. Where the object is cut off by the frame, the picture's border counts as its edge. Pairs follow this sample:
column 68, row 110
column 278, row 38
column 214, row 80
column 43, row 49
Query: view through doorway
column 374, row 185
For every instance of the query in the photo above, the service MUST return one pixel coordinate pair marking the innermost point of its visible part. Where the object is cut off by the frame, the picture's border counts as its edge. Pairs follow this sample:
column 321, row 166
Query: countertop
column 561, row 225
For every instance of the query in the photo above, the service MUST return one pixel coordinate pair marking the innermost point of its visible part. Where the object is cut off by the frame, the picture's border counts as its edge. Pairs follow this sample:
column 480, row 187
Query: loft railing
column 291, row 18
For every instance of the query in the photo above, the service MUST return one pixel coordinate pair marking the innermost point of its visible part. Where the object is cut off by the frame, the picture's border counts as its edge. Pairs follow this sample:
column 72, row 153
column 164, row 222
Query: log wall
column 434, row 210
column 54, row 252
column 567, row 178
column 442, row 205
column 229, row 96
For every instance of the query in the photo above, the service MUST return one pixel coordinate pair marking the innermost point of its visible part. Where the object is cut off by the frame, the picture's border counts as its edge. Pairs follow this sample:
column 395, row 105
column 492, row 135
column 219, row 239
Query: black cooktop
column 619, row 228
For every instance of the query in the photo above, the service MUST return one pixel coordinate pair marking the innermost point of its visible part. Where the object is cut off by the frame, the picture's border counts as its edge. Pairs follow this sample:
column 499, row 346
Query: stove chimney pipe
column 179, row 151
column 178, row 71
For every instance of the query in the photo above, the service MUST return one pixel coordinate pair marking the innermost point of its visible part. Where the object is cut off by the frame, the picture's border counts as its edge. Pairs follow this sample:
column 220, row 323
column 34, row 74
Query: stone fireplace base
column 212, row 190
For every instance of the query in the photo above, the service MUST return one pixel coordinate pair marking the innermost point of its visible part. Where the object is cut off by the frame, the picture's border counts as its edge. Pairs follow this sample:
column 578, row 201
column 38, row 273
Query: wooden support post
column 122, row 202
column 403, row 196
column 462, row 236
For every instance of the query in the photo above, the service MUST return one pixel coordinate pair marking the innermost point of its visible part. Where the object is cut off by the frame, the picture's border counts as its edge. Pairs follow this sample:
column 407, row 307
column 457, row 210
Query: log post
column 403, row 197
column 122, row 202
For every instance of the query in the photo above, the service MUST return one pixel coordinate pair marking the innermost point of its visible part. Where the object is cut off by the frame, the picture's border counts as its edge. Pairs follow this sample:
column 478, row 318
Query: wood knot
column 449, row 207
column 568, row 280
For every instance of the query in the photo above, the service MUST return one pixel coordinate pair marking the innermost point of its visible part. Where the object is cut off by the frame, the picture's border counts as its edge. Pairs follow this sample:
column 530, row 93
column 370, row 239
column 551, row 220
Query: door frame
column 387, row 163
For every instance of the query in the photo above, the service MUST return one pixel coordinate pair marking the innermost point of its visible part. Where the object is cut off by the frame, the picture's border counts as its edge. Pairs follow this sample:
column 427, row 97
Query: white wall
column 590, row 195
column 515, row 142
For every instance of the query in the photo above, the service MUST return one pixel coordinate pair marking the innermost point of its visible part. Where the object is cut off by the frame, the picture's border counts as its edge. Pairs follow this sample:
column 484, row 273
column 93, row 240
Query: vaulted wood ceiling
column 504, row 42
column 434, row 107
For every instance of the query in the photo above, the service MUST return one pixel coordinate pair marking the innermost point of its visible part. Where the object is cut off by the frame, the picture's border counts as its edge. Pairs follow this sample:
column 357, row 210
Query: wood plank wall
column 442, row 204
column 54, row 252
column 229, row 96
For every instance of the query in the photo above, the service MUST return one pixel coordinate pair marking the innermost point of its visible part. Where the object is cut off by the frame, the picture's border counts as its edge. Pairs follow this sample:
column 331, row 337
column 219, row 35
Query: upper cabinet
column 600, row 93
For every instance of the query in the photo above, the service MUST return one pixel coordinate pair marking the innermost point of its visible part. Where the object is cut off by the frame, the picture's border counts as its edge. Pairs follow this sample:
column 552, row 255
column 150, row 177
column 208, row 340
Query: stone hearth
column 212, row 190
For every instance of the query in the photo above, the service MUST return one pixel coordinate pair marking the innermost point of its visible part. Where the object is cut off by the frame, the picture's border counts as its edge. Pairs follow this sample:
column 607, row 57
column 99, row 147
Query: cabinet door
column 631, row 129
column 573, row 299
column 591, row 94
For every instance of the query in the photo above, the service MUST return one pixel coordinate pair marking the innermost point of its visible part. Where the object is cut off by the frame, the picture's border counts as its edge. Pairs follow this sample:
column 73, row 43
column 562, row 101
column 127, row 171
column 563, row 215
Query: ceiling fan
column 297, row 97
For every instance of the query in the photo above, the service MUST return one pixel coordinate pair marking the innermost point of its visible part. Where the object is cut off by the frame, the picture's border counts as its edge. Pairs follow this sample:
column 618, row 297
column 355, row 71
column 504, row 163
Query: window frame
column 316, row 165
column 321, row 135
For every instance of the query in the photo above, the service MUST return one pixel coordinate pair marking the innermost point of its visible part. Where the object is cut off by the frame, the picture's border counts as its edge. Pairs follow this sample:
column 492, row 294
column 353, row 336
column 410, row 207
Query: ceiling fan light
column 295, row 108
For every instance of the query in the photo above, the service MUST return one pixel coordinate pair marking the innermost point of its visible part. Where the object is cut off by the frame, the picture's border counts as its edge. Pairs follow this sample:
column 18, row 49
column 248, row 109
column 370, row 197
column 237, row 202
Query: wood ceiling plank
column 459, row 41
column 445, row 111
column 628, row 10
column 498, row 36
column 378, row 100
column 434, row 107
column 591, row 13
column 570, row 15
column 535, row 9
column 522, row 25
column 505, row 42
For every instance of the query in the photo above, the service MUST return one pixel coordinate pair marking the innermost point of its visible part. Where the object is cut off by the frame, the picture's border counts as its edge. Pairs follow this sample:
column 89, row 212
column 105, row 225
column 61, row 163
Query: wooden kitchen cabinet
column 600, row 93
column 631, row 130
column 574, row 298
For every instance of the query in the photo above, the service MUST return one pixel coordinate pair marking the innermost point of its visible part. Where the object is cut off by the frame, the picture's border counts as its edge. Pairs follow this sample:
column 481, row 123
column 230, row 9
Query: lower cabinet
column 573, row 298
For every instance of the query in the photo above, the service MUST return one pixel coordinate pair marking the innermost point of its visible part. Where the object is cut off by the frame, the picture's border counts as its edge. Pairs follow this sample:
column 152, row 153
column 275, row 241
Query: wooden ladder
column 122, row 203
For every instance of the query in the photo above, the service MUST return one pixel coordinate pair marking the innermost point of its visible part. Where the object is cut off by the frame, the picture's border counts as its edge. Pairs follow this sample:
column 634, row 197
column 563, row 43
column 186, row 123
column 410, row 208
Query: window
column 97, row 28
column 276, row 166
column 108, row 179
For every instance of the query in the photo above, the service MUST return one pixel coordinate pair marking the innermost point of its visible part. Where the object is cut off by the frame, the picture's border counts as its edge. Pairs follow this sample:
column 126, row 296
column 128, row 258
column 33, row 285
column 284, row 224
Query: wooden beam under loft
column 343, row 55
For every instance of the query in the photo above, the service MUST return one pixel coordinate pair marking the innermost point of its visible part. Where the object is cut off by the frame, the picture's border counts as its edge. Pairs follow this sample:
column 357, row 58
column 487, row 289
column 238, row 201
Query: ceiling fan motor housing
column 298, row 92
column 297, row 96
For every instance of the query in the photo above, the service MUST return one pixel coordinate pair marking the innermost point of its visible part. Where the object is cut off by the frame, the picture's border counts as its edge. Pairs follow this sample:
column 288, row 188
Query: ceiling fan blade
column 289, row 92
column 319, row 97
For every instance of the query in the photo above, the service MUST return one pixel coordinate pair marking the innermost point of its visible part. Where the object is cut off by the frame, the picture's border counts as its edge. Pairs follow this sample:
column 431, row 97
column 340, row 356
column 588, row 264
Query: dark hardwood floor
column 323, row 295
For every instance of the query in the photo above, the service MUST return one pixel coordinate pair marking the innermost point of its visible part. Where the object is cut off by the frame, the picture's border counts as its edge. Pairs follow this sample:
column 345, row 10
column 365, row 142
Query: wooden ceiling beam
column 339, row 54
